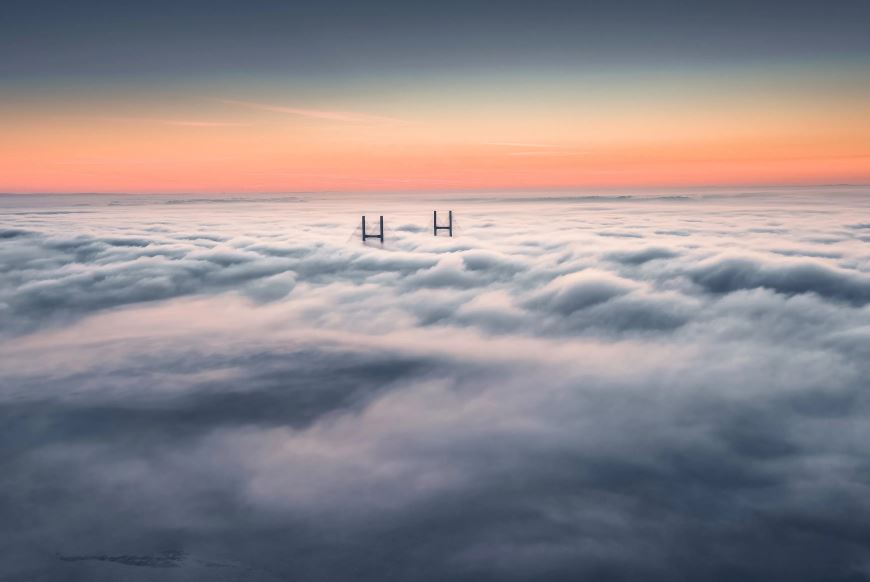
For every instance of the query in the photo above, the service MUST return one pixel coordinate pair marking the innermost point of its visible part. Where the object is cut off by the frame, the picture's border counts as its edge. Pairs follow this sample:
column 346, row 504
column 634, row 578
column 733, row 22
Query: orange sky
column 482, row 133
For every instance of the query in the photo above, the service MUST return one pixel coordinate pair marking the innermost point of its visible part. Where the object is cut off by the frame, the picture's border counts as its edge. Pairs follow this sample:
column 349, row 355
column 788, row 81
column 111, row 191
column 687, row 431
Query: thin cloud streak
column 180, row 122
column 510, row 144
column 556, row 153
column 538, row 149
column 344, row 116
column 187, row 123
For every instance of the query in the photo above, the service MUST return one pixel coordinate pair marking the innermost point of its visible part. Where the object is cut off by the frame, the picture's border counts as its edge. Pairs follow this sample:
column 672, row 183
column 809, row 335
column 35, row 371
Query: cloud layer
column 586, row 388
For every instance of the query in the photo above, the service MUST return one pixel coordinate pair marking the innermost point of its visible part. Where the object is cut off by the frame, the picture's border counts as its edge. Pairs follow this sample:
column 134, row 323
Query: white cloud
column 240, row 380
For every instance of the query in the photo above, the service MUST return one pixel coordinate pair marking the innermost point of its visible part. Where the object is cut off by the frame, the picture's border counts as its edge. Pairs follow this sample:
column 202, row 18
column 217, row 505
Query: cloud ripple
column 231, row 392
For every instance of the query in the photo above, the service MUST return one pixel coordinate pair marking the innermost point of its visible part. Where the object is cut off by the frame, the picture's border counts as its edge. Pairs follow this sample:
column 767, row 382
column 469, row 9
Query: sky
column 268, row 96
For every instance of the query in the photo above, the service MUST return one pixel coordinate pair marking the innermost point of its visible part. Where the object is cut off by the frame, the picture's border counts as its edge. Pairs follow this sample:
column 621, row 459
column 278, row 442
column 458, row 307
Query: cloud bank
column 579, row 389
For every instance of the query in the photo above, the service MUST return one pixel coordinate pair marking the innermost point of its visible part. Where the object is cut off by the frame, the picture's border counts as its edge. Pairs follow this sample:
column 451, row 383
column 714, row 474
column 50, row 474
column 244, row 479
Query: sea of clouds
column 570, row 388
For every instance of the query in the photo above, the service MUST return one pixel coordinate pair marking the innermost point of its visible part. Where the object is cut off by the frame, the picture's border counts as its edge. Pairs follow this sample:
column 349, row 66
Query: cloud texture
column 586, row 388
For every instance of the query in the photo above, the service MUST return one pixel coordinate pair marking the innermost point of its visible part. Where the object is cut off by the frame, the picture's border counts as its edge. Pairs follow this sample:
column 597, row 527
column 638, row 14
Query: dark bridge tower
column 448, row 228
column 366, row 235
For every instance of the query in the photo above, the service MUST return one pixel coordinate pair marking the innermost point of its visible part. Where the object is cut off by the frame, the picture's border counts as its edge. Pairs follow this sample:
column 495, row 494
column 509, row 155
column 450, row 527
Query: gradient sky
column 267, row 96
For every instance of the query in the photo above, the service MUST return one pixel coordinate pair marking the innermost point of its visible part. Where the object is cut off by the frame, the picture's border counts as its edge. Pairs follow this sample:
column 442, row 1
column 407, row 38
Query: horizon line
column 540, row 189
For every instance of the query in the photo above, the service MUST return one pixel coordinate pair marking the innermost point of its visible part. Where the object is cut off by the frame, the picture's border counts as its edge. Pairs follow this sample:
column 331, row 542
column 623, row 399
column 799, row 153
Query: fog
column 668, row 386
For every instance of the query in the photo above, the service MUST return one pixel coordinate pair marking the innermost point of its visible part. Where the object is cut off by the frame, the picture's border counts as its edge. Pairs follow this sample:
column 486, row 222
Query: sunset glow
column 558, row 124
